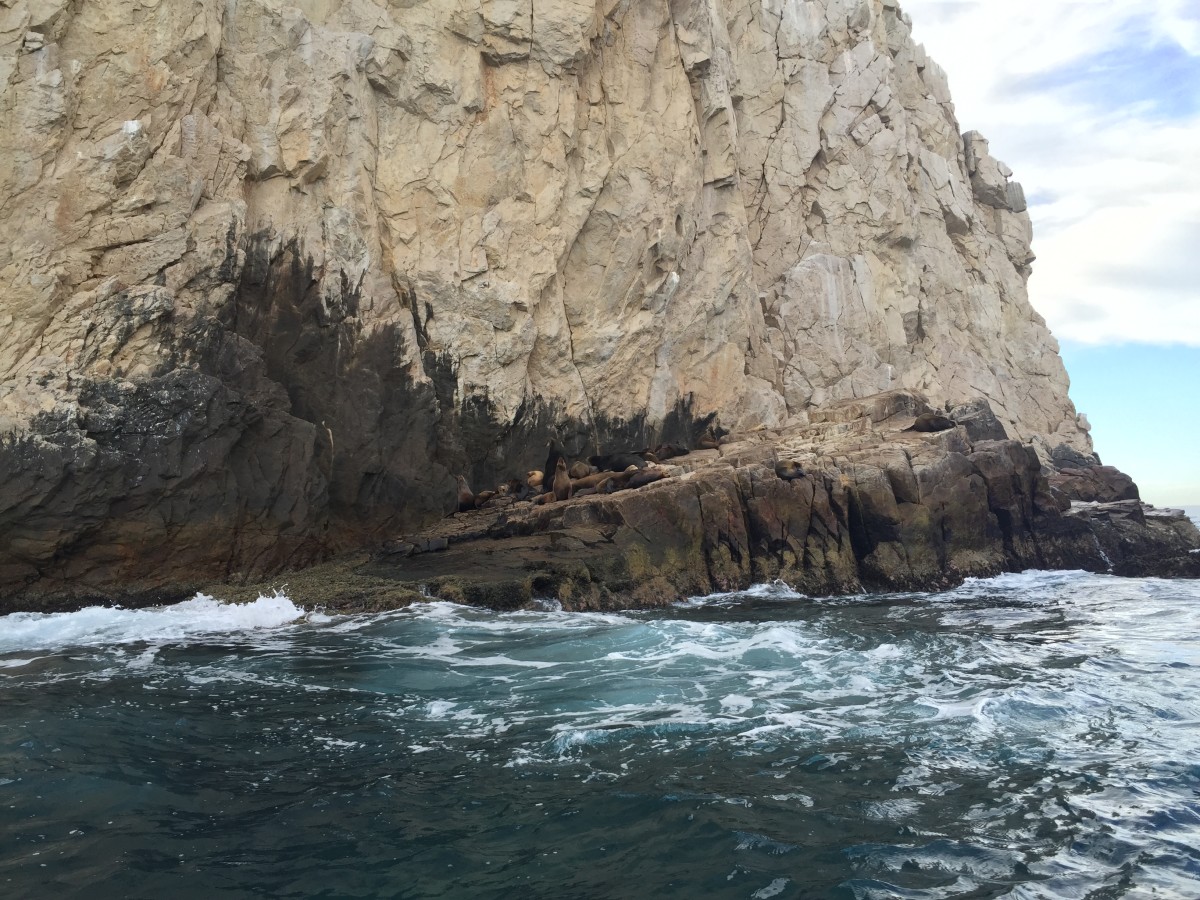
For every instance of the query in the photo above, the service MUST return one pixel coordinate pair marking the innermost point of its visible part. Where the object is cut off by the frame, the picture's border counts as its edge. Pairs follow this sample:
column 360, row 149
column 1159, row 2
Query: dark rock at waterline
column 878, row 509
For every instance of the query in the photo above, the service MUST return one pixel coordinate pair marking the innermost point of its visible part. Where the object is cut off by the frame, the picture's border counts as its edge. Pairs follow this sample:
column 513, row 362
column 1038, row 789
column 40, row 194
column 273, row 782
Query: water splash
column 107, row 626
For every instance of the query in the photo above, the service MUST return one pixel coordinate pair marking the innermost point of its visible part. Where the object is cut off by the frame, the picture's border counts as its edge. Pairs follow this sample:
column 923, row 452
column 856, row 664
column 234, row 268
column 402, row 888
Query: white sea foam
column 103, row 626
column 16, row 663
column 775, row 590
column 736, row 703
column 774, row 889
column 1030, row 584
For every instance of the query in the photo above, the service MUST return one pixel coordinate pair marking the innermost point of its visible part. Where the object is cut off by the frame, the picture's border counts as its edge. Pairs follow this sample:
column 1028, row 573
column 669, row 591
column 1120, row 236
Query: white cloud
column 1095, row 104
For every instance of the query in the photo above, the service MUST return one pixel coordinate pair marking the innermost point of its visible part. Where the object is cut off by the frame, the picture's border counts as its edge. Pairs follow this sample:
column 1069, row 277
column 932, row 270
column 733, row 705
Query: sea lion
column 648, row 456
column 534, row 479
column 553, row 454
column 466, row 497
column 645, row 477
column 562, row 481
column 669, row 451
column 579, row 470
column 517, row 489
column 617, row 462
column 710, row 440
column 929, row 422
column 619, row 481
column 588, row 482
column 789, row 470
column 483, row 497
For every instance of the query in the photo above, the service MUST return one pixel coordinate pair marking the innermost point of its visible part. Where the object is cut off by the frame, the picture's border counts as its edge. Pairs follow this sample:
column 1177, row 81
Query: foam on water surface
column 1031, row 733
column 200, row 617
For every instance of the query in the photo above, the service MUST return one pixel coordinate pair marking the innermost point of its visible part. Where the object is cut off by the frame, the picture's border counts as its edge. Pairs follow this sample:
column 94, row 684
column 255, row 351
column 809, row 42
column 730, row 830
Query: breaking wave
column 199, row 617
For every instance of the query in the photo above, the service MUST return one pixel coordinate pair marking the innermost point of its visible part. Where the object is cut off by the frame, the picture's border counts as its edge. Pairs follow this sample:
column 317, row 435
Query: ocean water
column 1028, row 736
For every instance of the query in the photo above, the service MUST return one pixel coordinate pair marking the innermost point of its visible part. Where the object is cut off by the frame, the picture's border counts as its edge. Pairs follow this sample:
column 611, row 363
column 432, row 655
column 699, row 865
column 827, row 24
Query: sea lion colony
column 605, row 473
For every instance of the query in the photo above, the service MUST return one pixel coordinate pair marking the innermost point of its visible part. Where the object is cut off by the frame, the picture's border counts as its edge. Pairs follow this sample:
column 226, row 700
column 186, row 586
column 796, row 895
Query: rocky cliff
column 270, row 273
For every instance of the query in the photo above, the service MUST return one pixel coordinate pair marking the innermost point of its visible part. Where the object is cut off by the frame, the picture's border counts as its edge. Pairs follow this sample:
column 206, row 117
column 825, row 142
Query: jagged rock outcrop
column 271, row 272
column 878, row 506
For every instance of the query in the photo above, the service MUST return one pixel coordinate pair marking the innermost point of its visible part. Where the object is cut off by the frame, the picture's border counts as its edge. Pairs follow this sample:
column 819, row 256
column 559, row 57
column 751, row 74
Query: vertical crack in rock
column 591, row 410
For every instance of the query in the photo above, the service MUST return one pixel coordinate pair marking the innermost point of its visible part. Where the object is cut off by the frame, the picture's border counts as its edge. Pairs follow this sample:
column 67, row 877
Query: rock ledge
column 879, row 508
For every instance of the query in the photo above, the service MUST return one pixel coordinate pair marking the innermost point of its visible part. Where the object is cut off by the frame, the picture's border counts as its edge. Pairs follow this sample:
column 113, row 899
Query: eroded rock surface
column 271, row 273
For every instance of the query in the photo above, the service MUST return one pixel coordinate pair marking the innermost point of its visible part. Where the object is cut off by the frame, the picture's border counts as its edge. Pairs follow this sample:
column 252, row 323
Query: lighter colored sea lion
column 535, row 479
column 589, row 482
column 579, row 470
column 483, row 497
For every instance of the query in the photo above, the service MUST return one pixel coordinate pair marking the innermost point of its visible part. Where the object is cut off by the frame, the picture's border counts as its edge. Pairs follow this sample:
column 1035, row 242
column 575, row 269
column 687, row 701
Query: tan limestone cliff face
column 609, row 209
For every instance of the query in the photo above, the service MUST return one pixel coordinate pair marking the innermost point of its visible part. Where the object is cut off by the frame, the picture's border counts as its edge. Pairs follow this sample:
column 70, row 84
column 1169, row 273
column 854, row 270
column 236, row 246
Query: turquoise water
column 1030, row 736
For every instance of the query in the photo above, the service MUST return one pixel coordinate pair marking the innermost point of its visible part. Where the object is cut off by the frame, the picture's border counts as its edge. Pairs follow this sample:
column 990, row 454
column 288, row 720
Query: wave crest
column 105, row 626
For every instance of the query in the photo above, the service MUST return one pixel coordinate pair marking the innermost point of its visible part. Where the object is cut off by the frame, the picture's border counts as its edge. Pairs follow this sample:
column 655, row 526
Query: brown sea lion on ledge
column 789, row 470
column 929, row 422
column 466, row 497
column 645, row 477
column 562, row 481
column 553, row 454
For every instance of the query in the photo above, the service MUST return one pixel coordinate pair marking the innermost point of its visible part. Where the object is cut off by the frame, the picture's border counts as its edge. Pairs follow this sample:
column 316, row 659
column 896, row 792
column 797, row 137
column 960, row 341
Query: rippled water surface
column 1029, row 736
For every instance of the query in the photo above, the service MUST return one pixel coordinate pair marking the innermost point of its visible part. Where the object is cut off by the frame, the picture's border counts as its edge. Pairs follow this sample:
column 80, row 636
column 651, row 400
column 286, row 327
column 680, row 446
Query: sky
column 1095, row 106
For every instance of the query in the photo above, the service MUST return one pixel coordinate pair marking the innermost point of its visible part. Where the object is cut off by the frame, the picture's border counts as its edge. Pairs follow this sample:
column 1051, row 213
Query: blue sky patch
column 1160, row 77
column 1141, row 400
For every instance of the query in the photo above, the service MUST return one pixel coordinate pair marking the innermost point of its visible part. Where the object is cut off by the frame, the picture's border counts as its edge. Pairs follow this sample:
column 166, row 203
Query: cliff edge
column 270, row 274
